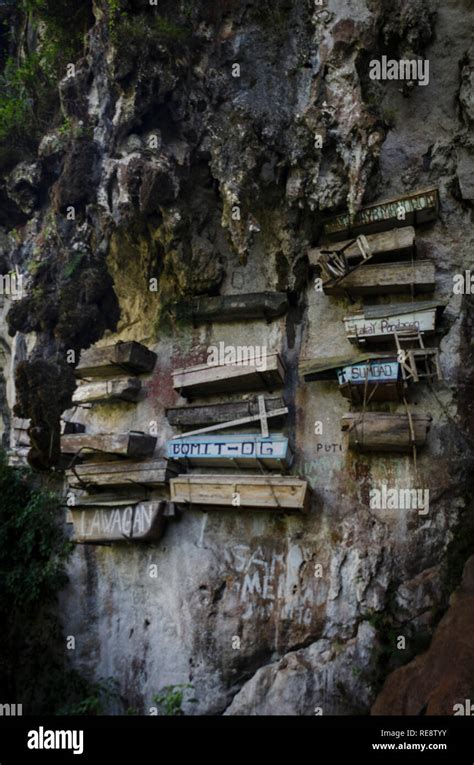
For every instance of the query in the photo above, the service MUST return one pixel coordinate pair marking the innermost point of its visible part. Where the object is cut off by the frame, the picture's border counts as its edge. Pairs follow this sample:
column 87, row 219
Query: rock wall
column 164, row 146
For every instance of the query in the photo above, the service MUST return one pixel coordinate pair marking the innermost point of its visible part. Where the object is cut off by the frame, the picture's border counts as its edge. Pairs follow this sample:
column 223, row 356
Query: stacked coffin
column 375, row 254
column 110, row 374
column 20, row 442
column 119, row 501
column 117, row 490
column 206, row 445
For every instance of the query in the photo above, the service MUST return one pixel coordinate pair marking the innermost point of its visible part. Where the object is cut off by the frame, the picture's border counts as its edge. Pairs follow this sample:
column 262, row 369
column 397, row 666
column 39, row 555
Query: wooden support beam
column 133, row 444
column 115, row 360
column 383, row 432
column 252, row 492
column 228, row 308
column 108, row 391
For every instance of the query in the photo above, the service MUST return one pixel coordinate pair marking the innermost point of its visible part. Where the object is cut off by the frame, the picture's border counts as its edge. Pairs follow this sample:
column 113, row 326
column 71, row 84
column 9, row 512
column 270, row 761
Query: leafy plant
column 138, row 33
column 170, row 699
column 96, row 701
column 72, row 265
column 115, row 13
column 33, row 554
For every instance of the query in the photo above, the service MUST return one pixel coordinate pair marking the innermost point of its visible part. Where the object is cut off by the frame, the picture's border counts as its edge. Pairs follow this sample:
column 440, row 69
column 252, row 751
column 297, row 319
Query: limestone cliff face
column 439, row 682
column 157, row 146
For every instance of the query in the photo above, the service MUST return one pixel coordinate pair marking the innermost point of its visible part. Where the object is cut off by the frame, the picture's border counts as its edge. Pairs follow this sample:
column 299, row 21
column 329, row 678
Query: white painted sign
column 105, row 524
column 372, row 371
column 358, row 327
column 221, row 450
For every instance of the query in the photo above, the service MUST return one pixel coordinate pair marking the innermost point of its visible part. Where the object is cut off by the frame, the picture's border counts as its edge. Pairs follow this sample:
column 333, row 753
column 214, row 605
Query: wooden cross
column 262, row 416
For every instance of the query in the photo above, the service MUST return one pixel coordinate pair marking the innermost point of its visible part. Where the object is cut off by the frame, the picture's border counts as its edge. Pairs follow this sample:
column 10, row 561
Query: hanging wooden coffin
column 210, row 414
column 397, row 244
column 222, row 378
column 115, row 360
column 224, row 450
column 377, row 431
column 149, row 474
column 376, row 380
column 413, row 209
column 227, row 308
column 378, row 323
column 384, row 279
column 241, row 492
column 142, row 522
column 381, row 369
column 133, row 444
column 108, row 391
column 327, row 368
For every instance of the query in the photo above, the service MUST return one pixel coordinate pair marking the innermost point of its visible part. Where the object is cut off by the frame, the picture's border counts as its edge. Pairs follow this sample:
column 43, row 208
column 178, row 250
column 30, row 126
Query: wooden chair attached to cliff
column 334, row 264
column 416, row 361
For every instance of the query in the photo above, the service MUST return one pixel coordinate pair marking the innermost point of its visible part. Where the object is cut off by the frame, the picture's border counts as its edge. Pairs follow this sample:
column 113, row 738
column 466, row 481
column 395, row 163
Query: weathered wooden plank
column 65, row 426
column 223, row 378
column 399, row 243
column 378, row 323
column 385, row 279
column 143, row 522
column 244, row 451
column 116, row 359
column 241, row 492
column 228, row 308
column 104, row 391
column 210, row 414
column 152, row 474
column 20, row 427
column 377, row 431
column 119, row 498
column 419, row 207
column 133, row 444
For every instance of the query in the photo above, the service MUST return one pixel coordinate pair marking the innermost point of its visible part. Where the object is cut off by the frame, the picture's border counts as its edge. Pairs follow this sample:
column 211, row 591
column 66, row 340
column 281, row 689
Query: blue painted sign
column 241, row 450
column 377, row 371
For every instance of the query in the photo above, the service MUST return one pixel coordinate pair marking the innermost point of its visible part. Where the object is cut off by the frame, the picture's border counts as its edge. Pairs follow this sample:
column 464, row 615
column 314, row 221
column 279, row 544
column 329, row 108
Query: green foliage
column 389, row 116
column 139, row 34
column 28, row 101
column 33, row 554
column 33, row 549
column 72, row 265
column 96, row 701
column 23, row 106
column 115, row 13
column 170, row 699
column 66, row 21
column 28, row 83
